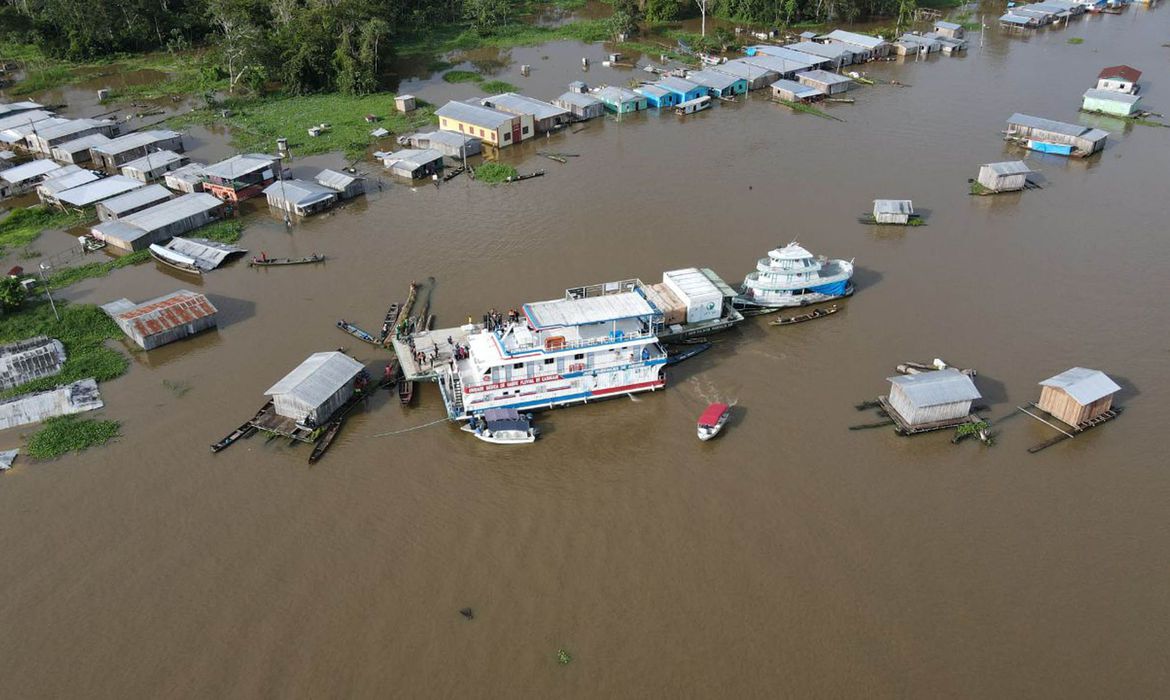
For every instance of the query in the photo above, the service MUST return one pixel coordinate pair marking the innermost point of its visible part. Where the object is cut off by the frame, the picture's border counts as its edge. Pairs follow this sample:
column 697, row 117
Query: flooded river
column 788, row 558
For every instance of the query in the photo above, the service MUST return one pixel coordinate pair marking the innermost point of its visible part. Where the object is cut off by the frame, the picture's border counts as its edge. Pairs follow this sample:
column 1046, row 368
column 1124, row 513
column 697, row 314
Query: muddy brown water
column 789, row 557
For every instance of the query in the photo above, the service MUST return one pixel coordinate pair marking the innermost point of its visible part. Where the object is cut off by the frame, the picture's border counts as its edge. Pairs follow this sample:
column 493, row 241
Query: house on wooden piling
column 949, row 30
column 187, row 179
column 451, row 144
column 868, row 47
column 117, row 152
column 657, row 96
column 91, row 193
column 346, row 186
column 313, row 392
column 791, row 91
column 412, row 163
column 491, row 126
column 76, row 152
column 1085, row 141
column 718, row 84
column 241, row 177
column 45, row 140
column 581, row 105
column 1117, row 104
column 166, row 319
column 893, row 211
column 621, row 100
column 1077, row 395
column 1007, row 176
column 757, row 77
column 153, row 166
column 132, row 202
column 938, row 398
column 156, row 224
column 299, row 197
column 545, row 116
column 828, row 83
column 1119, row 79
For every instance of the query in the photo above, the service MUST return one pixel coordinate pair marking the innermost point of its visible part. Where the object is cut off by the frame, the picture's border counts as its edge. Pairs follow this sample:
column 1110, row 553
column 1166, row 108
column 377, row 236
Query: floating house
column 757, row 77
column 1007, row 176
column 451, row 144
column 657, row 96
column 1038, row 132
column 117, row 152
column 61, row 181
column 132, row 202
column 892, row 211
column 684, row 89
column 826, row 82
column 621, row 100
column 187, row 179
column 160, row 222
column 241, row 177
column 299, row 197
column 949, row 30
column 26, row 360
column 44, row 140
column 491, row 126
column 791, row 91
column 76, row 152
column 1119, row 79
column 832, row 55
column 930, row 400
column 312, row 393
column 1118, row 104
column 718, row 84
column 21, row 178
column 581, row 105
column 166, row 319
column 868, row 47
column 345, row 185
column 1077, row 395
column 153, row 166
column 545, row 116
column 413, row 163
column 91, row 193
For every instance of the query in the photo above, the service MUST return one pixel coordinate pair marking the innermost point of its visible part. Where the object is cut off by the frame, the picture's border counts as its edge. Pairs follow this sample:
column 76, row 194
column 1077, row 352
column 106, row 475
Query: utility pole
column 46, row 266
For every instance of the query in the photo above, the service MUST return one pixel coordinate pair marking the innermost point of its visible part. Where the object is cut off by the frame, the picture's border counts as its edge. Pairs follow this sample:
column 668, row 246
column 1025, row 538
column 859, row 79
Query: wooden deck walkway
column 430, row 343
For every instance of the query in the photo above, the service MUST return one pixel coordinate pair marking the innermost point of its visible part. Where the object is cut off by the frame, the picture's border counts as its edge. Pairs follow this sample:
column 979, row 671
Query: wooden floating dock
column 901, row 427
column 428, row 342
column 245, row 431
column 1055, row 423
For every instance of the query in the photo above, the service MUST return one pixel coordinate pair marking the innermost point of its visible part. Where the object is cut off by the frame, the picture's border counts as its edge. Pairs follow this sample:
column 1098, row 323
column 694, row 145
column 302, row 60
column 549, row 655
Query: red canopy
column 713, row 413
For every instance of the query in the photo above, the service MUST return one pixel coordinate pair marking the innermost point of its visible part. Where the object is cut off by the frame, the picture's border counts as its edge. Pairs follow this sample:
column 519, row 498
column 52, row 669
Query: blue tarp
column 834, row 289
column 1046, row 147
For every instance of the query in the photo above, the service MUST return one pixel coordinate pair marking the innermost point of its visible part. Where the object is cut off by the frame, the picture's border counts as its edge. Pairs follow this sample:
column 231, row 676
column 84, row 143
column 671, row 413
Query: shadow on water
column 994, row 392
column 231, row 309
column 865, row 277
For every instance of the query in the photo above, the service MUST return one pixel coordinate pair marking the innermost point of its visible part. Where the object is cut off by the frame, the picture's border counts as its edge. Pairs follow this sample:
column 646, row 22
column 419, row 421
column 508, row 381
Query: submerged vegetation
column 65, row 434
column 24, row 226
column 225, row 231
column 495, row 87
column 65, row 276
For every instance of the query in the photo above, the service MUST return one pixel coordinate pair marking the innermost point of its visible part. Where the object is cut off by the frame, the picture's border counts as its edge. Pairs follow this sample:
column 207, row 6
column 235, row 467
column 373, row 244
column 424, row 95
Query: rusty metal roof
column 166, row 312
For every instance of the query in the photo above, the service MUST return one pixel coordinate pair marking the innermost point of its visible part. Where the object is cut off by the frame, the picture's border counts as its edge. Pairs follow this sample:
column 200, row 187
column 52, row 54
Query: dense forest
column 315, row 45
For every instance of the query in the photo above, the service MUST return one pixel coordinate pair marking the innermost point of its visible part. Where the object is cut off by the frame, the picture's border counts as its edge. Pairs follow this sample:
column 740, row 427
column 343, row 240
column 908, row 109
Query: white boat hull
column 502, row 437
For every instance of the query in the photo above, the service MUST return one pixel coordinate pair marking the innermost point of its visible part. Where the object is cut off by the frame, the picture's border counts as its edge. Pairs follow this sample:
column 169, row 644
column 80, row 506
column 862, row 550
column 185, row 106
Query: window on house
column 524, row 130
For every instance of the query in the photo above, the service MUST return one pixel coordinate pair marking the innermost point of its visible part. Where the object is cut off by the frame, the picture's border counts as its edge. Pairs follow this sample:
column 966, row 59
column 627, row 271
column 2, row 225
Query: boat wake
column 708, row 393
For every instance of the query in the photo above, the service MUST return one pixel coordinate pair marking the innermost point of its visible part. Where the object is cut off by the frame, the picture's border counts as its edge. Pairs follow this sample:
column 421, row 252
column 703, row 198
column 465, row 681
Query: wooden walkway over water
column 432, row 344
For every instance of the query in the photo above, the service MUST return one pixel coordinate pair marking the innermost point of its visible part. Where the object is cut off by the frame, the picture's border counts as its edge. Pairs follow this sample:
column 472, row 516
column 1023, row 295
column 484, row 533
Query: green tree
column 486, row 16
column 662, row 10
column 12, row 294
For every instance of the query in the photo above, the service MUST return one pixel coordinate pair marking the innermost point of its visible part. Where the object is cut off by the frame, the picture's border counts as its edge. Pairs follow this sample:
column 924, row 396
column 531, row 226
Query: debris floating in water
column 563, row 657
column 468, row 613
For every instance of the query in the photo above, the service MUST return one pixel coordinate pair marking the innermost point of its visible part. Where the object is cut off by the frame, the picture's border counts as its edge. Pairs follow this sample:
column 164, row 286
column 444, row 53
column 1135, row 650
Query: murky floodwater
column 790, row 557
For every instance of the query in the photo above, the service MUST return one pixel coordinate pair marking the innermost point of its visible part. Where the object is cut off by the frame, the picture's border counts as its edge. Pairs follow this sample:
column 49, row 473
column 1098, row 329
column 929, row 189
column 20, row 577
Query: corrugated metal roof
column 240, row 165
column 134, row 199
column 1112, row 96
column 724, row 288
column 318, row 377
column 576, row 312
column 153, row 161
column 829, row 51
column 67, row 181
column 1027, row 120
column 655, row 91
column 787, row 52
column 869, row 42
column 172, row 211
column 712, row 79
column 513, row 102
column 207, row 255
column 742, row 69
column 189, row 173
column 138, row 139
column 825, row 77
column 1084, row 385
column 579, row 99
column 678, row 85
column 798, row 89
column 1124, row 72
column 117, row 229
column 413, row 158
column 95, row 192
column 25, row 118
column 893, row 206
column 166, row 312
column 477, row 115
column 82, row 144
column 70, row 127
column 335, row 180
column 18, row 107
column 31, row 169
column 936, row 387
column 947, row 25
column 1009, row 167
column 300, row 192
column 15, row 134
column 1009, row 18
column 777, row 65
column 613, row 93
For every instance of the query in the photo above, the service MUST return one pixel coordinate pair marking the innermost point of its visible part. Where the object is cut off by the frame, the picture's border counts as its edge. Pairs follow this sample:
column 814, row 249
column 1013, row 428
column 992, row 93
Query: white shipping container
column 703, row 299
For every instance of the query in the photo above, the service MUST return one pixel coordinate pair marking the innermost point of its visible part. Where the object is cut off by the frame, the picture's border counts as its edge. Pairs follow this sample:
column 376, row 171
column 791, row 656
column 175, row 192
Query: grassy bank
column 83, row 330
column 66, row 434
column 23, row 226
column 256, row 123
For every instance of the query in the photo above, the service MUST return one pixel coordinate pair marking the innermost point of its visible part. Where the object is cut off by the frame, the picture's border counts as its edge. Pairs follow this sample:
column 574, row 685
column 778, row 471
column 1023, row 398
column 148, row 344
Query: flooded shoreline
column 788, row 555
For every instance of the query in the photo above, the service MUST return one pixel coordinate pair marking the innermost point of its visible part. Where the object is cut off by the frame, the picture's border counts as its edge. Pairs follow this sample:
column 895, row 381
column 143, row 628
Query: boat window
column 579, row 356
column 550, row 360
column 518, row 365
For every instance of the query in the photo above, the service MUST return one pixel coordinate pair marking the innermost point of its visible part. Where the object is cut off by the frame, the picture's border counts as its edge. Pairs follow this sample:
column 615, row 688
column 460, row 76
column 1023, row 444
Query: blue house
column 685, row 90
column 657, row 96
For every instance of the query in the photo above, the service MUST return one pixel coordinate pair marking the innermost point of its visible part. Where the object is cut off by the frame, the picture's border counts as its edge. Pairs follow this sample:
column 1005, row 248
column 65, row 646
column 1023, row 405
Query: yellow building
column 491, row 126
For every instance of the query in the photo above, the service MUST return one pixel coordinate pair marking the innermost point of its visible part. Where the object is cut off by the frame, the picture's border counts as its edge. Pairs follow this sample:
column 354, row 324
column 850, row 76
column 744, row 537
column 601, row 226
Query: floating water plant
column 563, row 657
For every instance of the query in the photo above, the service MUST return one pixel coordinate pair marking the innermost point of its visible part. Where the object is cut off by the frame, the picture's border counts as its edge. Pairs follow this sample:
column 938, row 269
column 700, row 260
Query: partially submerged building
column 241, row 177
column 620, row 100
column 153, row 166
column 1117, row 104
column 1007, row 176
column 117, row 152
column 892, row 211
column 1083, row 140
column 757, row 77
column 791, row 91
column 26, row 360
column 684, row 90
column 868, row 47
column 163, row 320
column 346, row 186
column 831, row 55
column 935, row 399
column 413, row 163
column 187, row 179
column 826, row 82
column 949, row 30
column 657, row 96
column 581, row 105
column 160, row 222
column 451, row 144
column 788, row 53
column 78, row 397
column 90, row 194
column 780, row 67
column 312, row 393
column 132, row 202
column 200, row 253
column 491, row 126
column 299, row 197
column 718, row 84
column 545, row 116
column 1119, row 79
column 1077, row 395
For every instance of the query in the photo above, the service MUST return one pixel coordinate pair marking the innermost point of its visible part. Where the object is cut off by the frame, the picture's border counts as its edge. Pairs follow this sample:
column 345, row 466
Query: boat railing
column 581, row 342
column 603, row 289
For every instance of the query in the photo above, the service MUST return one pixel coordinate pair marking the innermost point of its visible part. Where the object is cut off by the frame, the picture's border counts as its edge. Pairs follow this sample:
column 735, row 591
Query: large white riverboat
column 792, row 276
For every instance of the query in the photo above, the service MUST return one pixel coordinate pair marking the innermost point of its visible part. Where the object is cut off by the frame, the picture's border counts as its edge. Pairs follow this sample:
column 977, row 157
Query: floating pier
column 1055, row 423
column 903, row 427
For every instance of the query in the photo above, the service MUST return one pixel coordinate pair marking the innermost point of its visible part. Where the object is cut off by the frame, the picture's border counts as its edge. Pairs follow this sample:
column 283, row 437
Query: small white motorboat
column 502, row 426
column 713, row 420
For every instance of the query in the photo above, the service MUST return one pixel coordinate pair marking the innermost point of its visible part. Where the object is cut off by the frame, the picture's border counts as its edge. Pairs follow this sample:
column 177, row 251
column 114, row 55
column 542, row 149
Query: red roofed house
column 163, row 320
column 1119, row 79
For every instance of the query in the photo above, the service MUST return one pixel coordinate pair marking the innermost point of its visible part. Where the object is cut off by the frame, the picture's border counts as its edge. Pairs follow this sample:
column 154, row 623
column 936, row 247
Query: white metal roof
column 240, row 165
column 138, row 139
column 791, row 53
column 579, row 99
column 936, row 387
column 172, row 210
column 95, row 192
column 777, row 64
column 893, row 206
column 869, row 42
column 827, row 51
column 153, row 161
column 576, row 312
column 117, row 229
column 335, row 180
column 947, row 25
column 26, row 118
column 513, row 102
column 300, row 192
column 19, row 132
column 411, row 157
column 613, row 93
column 71, row 126
column 190, row 173
column 677, row 84
column 825, row 77
column 1112, row 96
column 82, row 144
column 205, row 254
column 477, row 115
column 798, row 89
column 712, row 79
column 318, row 377
column 67, row 181
column 742, row 69
column 26, row 171
column 1055, row 127
column 136, row 198
column 1009, row 167
column 1084, row 385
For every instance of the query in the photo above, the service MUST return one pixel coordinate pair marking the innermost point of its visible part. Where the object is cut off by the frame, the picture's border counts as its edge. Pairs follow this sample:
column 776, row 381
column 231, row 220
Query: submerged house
column 241, row 177
column 892, row 211
column 1082, row 140
column 938, row 398
column 757, row 77
column 412, row 163
column 450, row 143
column 166, row 319
column 1007, row 176
column 621, row 100
column 780, row 67
column 789, row 53
column 1077, row 395
column 581, row 105
column 832, row 55
column 312, row 393
column 132, row 202
column 117, row 152
column 826, row 82
column 153, row 166
column 156, row 224
column 949, row 30
column 1117, row 104
column 545, row 116
column 26, row 360
column 868, row 47
column 1119, row 79
column 792, row 91
column 684, row 90
column 718, row 84
column 657, row 96
column 299, row 197
column 491, row 126
column 345, row 185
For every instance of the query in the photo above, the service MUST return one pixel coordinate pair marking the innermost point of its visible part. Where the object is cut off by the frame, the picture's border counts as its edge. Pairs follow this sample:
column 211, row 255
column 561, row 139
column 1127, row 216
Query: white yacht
column 792, row 276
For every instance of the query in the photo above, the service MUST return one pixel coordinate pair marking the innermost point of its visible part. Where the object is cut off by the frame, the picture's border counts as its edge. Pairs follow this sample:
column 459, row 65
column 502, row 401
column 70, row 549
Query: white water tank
column 703, row 299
